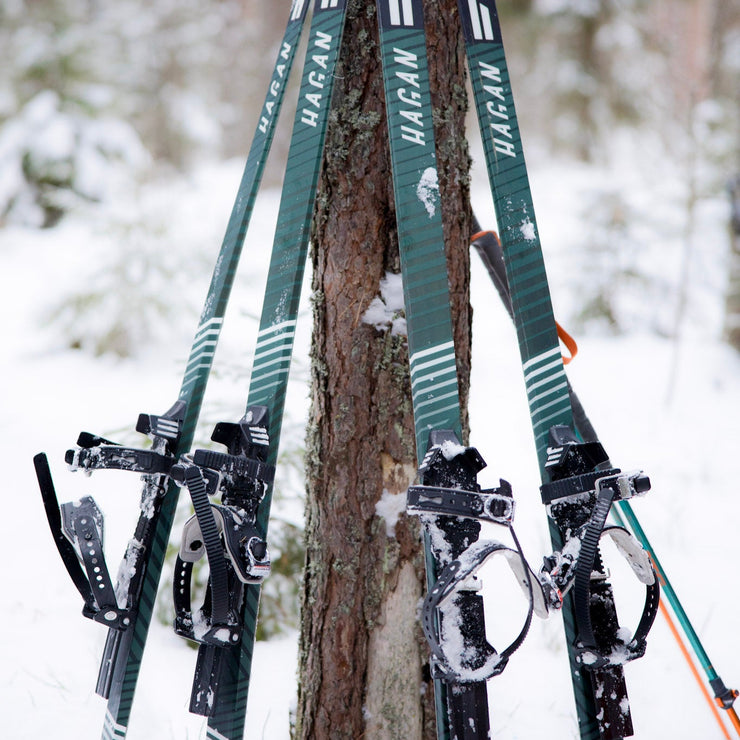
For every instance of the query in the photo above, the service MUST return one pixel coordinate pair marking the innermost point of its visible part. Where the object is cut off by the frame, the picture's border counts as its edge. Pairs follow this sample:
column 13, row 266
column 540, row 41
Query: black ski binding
column 582, row 490
column 451, row 501
column 226, row 533
column 96, row 453
column 77, row 527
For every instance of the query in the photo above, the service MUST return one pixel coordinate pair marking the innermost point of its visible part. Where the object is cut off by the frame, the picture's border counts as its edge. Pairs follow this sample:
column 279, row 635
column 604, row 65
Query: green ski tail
column 461, row 708
column 124, row 651
column 279, row 314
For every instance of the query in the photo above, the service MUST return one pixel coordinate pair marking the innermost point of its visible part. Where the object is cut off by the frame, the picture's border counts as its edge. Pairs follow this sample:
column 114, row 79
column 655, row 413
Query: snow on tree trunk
column 364, row 665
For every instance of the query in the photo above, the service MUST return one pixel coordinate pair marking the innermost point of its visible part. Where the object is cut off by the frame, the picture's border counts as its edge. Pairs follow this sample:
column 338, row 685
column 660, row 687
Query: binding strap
column 66, row 549
column 444, row 608
column 77, row 528
column 236, row 555
column 589, row 652
column 495, row 505
column 440, row 607
column 226, row 533
column 575, row 565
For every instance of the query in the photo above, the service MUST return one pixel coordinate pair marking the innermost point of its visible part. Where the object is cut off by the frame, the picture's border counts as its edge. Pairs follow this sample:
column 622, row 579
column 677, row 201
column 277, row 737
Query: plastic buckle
column 495, row 505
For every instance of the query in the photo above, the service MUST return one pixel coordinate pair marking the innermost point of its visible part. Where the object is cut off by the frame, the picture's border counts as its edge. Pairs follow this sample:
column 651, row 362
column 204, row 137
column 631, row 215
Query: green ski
column 171, row 433
column 569, row 469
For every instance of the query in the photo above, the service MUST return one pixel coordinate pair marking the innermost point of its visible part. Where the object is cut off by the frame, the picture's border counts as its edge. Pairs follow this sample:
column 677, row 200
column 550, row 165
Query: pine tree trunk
column 364, row 666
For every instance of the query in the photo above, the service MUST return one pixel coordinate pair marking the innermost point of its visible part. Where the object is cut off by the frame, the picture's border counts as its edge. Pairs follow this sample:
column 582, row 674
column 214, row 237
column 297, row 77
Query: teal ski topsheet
column 124, row 651
column 279, row 314
column 419, row 217
column 461, row 709
column 541, row 356
column 544, row 374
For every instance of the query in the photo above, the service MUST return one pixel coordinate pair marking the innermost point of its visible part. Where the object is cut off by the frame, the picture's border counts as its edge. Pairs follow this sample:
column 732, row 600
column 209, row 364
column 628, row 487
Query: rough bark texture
column 363, row 661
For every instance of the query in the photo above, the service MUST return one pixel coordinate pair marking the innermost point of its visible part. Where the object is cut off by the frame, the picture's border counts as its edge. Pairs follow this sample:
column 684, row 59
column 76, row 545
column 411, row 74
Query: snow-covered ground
column 673, row 413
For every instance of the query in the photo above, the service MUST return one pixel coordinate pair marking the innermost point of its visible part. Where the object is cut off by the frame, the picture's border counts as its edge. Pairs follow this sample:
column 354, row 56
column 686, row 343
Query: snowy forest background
column 123, row 130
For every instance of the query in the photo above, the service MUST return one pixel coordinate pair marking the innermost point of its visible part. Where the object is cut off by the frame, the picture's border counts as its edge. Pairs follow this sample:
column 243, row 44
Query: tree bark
column 363, row 664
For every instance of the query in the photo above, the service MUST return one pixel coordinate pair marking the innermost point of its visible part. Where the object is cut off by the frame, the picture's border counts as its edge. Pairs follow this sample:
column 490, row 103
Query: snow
column 386, row 310
column 457, row 656
column 450, row 449
column 527, row 229
column 389, row 508
column 94, row 156
column 668, row 408
column 427, row 190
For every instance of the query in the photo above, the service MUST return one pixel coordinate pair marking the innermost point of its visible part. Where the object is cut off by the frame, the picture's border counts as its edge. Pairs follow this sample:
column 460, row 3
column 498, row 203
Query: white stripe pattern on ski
column 433, row 369
column 398, row 10
column 259, row 436
column 167, row 428
column 111, row 729
column 480, row 19
column 544, row 376
column 283, row 339
column 297, row 9
column 537, row 359
column 276, row 328
column 204, row 347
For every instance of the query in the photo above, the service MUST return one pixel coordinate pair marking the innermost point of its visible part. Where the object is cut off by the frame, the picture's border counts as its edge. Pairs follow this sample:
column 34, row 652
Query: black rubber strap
column 64, row 546
column 647, row 574
column 116, row 457
column 588, row 644
column 181, row 587
column 649, row 613
column 585, row 564
column 572, row 485
column 218, row 578
column 235, row 465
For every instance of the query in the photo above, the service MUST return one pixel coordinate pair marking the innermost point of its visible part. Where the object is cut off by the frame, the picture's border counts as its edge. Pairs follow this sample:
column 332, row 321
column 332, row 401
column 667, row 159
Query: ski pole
column 690, row 662
column 723, row 697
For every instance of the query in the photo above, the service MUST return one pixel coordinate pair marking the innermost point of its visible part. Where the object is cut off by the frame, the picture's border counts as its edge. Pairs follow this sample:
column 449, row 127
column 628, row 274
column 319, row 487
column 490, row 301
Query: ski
column 449, row 500
column 223, row 670
column 128, row 611
column 488, row 246
column 578, row 486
